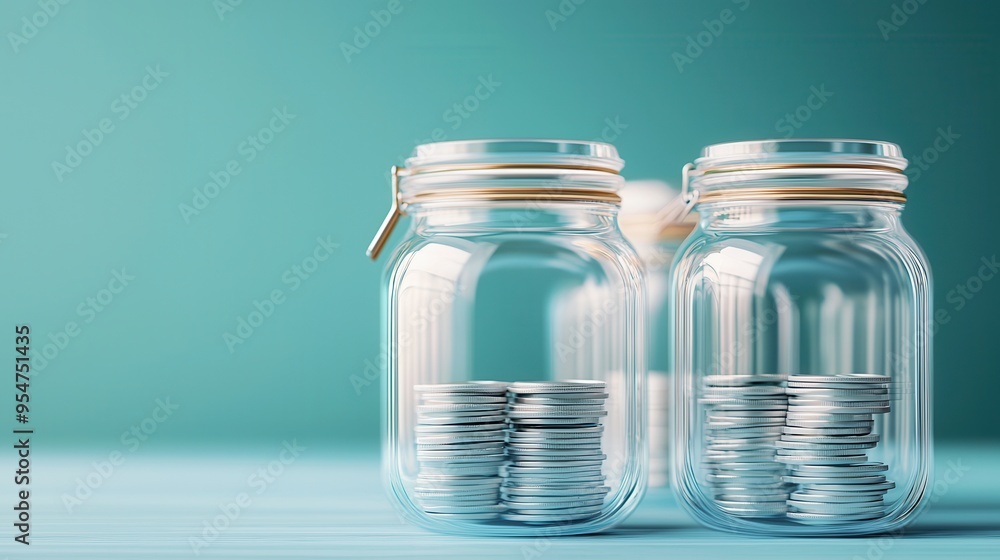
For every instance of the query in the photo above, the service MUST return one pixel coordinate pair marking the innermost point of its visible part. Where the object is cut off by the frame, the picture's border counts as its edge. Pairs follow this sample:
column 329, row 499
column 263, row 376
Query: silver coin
column 558, row 433
column 520, row 414
column 520, row 462
column 465, row 516
column 557, row 402
column 455, row 407
column 742, row 400
column 830, row 396
column 458, row 501
column 470, row 387
column 864, row 467
column 548, row 443
column 842, row 410
column 828, row 498
column 521, row 457
column 464, row 430
column 821, row 460
column 458, row 480
column 803, row 402
column 425, row 456
column 576, row 483
column 743, row 422
column 762, row 497
column 799, row 431
column 477, row 470
column 450, row 445
column 466, row 438
column 851, row 487
column 557, row 472
column 835, row 509
column 803, row 448
column 755, row 390
column 593, row 506
column 464, row 509
column 479, row 420
column 547, row 490
column 546, row 519
column 843, row 440
column 423, row 490
column 872, row 479
column 449, row 398
column 743, row 379
column 826, row 518
column 461, row 451
column 796, row 413
column 813, row 389
column 543, row 387
column 839, row 378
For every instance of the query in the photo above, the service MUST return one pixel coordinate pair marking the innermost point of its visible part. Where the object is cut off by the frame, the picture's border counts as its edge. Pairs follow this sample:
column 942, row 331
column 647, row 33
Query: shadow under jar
column 802, row 341
column 497, row 420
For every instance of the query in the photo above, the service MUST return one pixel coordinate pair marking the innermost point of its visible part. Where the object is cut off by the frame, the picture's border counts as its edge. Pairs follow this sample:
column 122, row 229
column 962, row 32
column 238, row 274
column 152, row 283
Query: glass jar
column 656, row 240
column 496, row 422
column 803, row 341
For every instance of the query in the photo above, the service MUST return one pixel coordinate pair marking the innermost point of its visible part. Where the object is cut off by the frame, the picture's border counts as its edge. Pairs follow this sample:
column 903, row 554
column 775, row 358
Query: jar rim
column 813, row 164
column 803, row 151
column 517, row 151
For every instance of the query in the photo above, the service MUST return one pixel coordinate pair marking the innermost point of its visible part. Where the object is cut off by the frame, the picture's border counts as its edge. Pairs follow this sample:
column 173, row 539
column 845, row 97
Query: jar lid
column 806, row 169
column 517, row 151
column 805, row 151
column 517, row 169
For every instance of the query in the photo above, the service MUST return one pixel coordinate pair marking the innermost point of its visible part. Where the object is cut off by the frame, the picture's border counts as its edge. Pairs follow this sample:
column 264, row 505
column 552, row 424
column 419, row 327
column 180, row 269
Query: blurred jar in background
column 656, row 241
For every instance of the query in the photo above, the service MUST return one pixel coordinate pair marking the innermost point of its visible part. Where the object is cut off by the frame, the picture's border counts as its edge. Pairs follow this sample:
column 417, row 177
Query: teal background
column 324, row 175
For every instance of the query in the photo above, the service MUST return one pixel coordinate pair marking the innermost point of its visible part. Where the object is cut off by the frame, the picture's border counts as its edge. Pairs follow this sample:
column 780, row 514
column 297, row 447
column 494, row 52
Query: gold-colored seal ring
column 496, row 194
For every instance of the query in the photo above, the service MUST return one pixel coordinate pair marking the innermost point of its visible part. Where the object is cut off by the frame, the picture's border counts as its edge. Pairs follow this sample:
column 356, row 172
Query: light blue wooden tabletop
column 325, row 504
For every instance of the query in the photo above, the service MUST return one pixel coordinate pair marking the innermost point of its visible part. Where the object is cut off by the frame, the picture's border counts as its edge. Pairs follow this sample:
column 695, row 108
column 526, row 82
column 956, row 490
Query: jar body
column 472, row 294
column 767, row 290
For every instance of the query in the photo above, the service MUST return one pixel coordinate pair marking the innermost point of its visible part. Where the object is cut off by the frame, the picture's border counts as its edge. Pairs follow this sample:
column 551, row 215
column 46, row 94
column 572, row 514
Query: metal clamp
column 681, row 206
column 389, row 223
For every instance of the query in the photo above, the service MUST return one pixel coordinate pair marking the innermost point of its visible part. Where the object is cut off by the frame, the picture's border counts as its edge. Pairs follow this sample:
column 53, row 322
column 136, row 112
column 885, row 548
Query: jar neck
column 520, row 216
column 797, row 215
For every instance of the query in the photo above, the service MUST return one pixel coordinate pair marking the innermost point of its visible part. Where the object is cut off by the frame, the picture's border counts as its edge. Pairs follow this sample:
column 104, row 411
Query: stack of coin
column 554, row 445
column 745, row 415
column 827, row 435
column 460, row 436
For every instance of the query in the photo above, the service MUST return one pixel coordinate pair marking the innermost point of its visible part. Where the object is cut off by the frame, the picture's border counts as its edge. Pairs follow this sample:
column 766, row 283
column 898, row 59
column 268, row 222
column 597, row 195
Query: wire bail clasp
column 389, row 223
column 681, row 206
